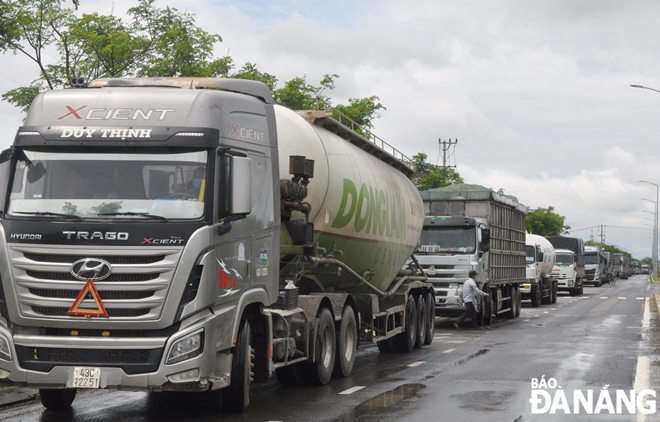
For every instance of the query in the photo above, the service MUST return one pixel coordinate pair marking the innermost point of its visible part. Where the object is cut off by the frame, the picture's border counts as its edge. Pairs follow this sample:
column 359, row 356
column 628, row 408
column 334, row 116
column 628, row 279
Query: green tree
column 300, row 95
column 155, row 42
column 546, row 222
column 431, row 176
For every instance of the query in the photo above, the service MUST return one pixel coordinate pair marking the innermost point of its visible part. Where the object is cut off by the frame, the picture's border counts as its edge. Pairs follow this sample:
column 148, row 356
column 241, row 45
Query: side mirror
column 240, row 186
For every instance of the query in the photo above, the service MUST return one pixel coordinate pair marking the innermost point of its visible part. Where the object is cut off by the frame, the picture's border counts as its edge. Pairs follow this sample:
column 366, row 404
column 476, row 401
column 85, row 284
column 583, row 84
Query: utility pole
column 444, row 147
column 602, row 234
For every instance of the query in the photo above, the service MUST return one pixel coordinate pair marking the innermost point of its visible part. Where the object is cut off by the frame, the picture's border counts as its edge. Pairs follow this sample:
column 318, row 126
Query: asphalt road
column 602, row 345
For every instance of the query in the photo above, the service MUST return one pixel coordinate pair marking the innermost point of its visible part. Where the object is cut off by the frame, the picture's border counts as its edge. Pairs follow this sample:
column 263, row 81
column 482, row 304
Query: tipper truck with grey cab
column 568, row 270
column 540, row 287
column 185, row 234
column 470, row 227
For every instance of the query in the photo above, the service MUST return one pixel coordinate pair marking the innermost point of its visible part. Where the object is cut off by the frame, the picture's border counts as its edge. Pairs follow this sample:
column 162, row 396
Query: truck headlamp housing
column 185, row 348
column 5, row 349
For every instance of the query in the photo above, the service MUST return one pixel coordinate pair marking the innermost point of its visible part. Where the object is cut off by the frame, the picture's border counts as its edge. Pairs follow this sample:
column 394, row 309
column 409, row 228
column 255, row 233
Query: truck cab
column 450, row 247
column 565, row 271
column 593, row 265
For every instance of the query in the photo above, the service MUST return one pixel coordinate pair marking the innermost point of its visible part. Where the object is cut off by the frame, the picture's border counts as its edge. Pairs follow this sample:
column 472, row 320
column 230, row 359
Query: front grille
column 126, row 313
column 105, row 295
column 132, row 361
column 127, row 260
column 69, row 277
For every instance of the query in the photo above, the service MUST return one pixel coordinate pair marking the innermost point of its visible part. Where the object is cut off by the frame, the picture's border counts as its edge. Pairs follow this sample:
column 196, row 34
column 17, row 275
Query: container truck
column 470, row 227
column 569, row 264
column 190, row 234
column 540, row 287
column 594, row 263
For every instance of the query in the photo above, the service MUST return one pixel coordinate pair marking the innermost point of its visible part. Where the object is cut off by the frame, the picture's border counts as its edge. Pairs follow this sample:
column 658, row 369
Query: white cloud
column 536, row 92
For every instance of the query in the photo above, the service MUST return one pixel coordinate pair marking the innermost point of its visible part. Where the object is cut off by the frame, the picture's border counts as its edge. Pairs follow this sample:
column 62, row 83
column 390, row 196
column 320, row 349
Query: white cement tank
column 545, row 266
column 365, row 207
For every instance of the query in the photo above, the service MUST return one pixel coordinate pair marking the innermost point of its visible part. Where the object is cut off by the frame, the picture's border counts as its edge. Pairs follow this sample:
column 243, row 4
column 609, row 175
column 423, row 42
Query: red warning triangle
column 99, row 311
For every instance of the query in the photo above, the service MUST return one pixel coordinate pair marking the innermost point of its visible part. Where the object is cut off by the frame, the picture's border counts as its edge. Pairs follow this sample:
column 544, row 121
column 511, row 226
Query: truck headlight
column 185, row 348
column 5, row 350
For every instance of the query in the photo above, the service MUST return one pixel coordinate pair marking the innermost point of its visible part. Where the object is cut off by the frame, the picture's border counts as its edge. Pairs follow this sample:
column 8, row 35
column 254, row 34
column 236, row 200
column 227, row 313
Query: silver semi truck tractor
column 191, row 234
column 470, row 227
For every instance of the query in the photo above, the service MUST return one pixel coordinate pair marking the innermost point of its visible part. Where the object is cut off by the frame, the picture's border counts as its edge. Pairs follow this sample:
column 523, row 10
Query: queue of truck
column 191, row 234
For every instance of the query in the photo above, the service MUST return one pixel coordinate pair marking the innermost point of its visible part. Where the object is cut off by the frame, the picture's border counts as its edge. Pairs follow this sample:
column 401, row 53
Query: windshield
column 109, row 185
column 564, row 258
column 530, row 258
column 448, row 239
column 591, row 258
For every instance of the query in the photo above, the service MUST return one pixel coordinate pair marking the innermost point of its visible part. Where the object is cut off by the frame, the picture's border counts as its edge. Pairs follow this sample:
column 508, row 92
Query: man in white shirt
column 468, row 293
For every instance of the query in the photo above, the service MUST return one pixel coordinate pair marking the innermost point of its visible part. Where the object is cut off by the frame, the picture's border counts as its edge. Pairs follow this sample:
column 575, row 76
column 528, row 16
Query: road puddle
column 388, row 398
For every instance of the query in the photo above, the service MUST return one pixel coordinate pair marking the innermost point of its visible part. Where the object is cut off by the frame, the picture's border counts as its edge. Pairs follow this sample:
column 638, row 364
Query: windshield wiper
column 141, row 214
column 52, row 214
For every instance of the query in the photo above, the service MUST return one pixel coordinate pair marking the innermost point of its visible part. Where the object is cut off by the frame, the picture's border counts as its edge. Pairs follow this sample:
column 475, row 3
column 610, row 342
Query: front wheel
column 555, row 288
column 536, row 297
column 236, row 397
column 57, row 399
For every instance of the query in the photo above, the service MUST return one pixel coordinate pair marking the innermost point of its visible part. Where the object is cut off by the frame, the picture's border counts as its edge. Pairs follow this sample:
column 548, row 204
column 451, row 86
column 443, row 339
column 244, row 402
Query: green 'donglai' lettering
column 371, row 210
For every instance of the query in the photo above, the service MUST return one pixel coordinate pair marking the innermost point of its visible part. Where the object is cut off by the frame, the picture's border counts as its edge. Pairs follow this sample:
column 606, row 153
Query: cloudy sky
column 537, row 92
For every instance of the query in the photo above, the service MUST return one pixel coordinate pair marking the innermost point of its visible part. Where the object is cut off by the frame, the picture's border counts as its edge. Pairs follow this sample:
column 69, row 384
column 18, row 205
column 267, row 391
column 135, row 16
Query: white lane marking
column 620, row 297
column 448, row 350
column 603, row 297
column 640, row 298
column 414, row 364
column 525, row 320
column 353, row 390
column 455, row 341
column 642, row 378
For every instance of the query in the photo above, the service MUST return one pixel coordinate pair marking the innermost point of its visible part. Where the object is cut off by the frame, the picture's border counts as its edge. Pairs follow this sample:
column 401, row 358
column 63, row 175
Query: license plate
column 85, row 377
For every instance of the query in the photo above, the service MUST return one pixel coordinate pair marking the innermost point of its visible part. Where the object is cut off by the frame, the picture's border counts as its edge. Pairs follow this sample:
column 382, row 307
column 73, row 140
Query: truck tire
column 405, row 341
column 57, row 399
column 430, row 325
column 422, row 322
column 547, row 299
column 581, row 289
column 555, row 288
column 320, row 371
column 518, row 300
column 536, row 297
column 511, row 313
column 346, row 343
column 485, row 314
column 574, row 290
column 236, row 397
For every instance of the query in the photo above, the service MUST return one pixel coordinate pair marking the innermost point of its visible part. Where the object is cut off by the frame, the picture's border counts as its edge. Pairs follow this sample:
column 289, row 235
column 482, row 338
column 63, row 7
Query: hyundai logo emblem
column 94, row 268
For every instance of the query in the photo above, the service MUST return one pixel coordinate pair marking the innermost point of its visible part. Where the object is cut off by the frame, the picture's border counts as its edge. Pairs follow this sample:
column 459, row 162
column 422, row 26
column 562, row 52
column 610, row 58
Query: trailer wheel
column 555, row 288
column 422, row 322
column 485, row 314
column 320, row 371
column 236, row 397
column 406, row 340
column 346, row 343
column 57, row 399
column 519, row 300
column 430, row 323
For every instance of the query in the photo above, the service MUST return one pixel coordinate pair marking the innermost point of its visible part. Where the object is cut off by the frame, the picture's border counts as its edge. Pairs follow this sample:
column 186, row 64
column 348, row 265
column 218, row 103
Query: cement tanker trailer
column 540, row 287
column 192, row 235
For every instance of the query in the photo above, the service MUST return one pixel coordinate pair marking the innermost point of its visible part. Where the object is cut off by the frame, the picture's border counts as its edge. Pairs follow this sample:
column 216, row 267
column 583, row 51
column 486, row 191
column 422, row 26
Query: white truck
column 568, row 270
column 594, row 264
column 540, row 287
column 470, row 227
column 190, row 234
